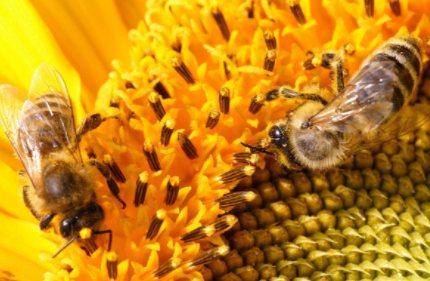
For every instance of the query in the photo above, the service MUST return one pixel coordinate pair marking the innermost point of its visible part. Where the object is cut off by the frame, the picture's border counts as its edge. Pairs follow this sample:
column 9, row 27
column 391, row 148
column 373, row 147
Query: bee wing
column 48, row 88
column 12, row 102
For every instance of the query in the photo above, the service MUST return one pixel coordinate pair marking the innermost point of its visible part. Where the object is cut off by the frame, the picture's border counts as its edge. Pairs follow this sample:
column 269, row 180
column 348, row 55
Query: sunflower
column 187, row 81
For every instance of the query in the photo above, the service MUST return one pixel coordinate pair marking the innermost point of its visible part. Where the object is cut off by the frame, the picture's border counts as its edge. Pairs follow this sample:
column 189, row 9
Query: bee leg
column 104, row 232
column 27, row 201
column 284, row 92
column 339, row 76
column 90, row 123
column 44, row 223
column 113, row 187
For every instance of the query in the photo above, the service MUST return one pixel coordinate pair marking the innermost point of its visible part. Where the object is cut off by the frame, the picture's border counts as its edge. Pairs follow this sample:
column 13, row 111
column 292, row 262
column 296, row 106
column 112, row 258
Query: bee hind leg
column 284, row 92
column 90, row 123
column 113, row 187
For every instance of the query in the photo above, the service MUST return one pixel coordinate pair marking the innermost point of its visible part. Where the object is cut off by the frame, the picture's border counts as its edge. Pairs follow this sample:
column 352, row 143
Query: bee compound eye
column 276, row 133
column 67, row 226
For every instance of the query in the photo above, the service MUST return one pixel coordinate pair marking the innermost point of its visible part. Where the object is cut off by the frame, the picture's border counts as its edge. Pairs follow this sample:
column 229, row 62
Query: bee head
column 90, row 217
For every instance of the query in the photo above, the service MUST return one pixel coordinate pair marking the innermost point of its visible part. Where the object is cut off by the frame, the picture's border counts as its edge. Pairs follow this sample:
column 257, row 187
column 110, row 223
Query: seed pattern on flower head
column 194, row 91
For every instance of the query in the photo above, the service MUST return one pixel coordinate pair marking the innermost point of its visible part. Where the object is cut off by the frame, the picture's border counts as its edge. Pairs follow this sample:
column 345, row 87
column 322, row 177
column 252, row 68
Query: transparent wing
column 49, row 91
column 12, row 100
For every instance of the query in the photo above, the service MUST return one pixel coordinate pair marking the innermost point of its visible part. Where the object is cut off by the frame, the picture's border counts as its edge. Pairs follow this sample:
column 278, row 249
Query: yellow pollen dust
column 161, row 214
column 143, row 177
column 112, row 256
column 85, row 233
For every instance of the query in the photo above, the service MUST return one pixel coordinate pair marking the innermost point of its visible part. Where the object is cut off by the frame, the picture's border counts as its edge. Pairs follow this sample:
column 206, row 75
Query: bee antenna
column 65, row 246
column 258, row 149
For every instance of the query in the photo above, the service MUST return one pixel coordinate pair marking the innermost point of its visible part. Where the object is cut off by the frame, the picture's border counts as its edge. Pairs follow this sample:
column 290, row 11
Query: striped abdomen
column 46, row 125
column 403, row 55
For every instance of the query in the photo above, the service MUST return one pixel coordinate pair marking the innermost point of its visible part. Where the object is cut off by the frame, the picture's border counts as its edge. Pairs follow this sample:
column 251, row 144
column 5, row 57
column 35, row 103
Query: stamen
column 113, row 168
column 172, row 191
column 246, row 158
column 159, row 88
column 141, row 186
column 208, row 256
column 349, row 49
column 237, row 174
column 167, row 267
column 257, row 102
column 157, row 107
column 213, row 119
column 132, row 115
column 224, row 100
column 234, row 198
column 151, row 156
column 183, row 70
column 297, row 11
column 270, row 40
column 187, row 146
column 395, row 7
column 86, row 236
column 227, row 67
column 156, row 223
column 220, row 20
column 269, row 61
column 90, row 153
column 166, row 132
column 129, row 85
column 112, row 265
column 204, row 231
column 262, row 144
column 370, row 7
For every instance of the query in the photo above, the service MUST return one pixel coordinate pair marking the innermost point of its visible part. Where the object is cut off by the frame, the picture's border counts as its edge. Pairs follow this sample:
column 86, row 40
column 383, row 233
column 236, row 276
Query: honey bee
column 41, row 128
column 375, row 106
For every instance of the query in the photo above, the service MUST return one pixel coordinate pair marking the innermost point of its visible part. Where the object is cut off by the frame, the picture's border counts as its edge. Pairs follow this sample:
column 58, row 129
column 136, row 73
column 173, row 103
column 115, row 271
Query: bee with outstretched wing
column 42, row 130
column 375, row 106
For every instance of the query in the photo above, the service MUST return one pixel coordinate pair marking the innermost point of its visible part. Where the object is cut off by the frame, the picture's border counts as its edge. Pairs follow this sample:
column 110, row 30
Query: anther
column 297, row 11
column 370, row 7
column 159, row 88
column 227, row 67
column 270, row 40
column 155, row 225
column 172, row 191
column 269, row 61
column 141, row 186
column 213, row 119
column 220, row 20
column 395, row 7
column 221, row 224
column 113, row 168
column 112, row 265
column 349, row 49
column 157, row 107
column 246, row 158
column 129, row 85
column 237, row 174
column 90, row 153
column 234, row 198
column 183, row 70
column 224, row 100
column 251, row 10
column 187, row 146
column 114, row 103
column 208, row 256
column 166, row 132
column 167, row 267
column 132, row 115
column 257, row 102
column 86, row 236
column 151, row 156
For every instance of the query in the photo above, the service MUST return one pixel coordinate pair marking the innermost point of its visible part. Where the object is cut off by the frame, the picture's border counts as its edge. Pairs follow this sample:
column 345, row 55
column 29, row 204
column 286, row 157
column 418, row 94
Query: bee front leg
column 46, row 220
column 90, row 123
column 113, row 187
column 284, row 92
